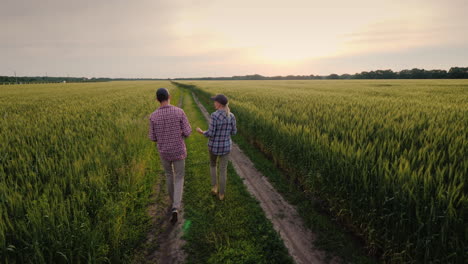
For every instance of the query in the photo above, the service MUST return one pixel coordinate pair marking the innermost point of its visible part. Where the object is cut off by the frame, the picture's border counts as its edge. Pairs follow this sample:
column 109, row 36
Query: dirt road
column 286, row 221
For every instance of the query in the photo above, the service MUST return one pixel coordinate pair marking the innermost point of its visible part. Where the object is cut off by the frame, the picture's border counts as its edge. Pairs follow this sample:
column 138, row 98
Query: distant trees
column 453, row 73
column 379, row 74
column 38, row 79
column 458, row 73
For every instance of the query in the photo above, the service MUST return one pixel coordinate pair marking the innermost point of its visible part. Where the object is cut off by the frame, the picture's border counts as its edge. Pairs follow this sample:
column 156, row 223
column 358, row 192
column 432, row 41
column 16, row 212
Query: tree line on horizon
column 415, row 73
column 46, row 79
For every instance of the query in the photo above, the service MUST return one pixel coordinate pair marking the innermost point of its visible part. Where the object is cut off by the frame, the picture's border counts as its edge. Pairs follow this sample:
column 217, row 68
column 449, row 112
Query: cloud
column 123, row 38
column 40, row 34
column 428, row 57
column 405, row 34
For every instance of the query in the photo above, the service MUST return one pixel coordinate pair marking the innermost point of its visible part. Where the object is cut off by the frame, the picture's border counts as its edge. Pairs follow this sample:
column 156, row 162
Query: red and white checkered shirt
column 168, row 127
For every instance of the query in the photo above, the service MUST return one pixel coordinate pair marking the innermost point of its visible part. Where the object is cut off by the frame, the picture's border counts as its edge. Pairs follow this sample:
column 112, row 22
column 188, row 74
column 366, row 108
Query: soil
column 171, row 242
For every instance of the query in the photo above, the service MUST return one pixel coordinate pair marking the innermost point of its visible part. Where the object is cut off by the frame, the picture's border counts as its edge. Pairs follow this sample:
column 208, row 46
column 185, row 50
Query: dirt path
column 286, row 221
column 165, row 246
column 164, row 241
column 171, row 242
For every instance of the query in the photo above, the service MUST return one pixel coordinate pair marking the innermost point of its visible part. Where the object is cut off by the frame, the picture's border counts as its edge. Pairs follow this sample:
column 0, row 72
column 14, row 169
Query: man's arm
column 185, row 125
column 152, row 132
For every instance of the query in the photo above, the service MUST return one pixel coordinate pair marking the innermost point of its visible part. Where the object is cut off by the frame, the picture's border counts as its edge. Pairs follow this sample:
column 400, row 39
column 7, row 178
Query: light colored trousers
column 223, row 163
column 175, row 171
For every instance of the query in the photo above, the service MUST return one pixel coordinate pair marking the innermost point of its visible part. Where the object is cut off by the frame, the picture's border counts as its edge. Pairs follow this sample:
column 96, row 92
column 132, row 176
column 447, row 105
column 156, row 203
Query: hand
column 199, row 130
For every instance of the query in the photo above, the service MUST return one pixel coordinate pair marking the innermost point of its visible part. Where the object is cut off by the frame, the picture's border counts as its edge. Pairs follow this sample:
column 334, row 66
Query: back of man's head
column 162, row 94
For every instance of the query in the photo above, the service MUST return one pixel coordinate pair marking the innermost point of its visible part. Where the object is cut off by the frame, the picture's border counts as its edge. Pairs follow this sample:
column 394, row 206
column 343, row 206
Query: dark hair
column 162, row 94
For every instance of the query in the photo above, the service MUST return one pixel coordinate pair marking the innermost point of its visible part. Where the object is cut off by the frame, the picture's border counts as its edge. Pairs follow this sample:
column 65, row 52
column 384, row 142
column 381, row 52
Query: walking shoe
column 214, row 190
column 221, row 197
column 174, row 216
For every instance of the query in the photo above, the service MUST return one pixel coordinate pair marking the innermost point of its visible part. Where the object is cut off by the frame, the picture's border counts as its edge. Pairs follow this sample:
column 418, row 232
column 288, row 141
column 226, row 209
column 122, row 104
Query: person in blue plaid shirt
column 222, row 127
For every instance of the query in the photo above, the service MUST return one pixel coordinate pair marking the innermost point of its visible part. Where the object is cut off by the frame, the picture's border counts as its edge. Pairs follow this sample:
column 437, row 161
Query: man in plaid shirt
column 168, row 127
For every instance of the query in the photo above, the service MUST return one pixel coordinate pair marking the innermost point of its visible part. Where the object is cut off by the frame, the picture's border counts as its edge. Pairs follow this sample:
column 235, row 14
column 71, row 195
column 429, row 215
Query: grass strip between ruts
column 231, row 231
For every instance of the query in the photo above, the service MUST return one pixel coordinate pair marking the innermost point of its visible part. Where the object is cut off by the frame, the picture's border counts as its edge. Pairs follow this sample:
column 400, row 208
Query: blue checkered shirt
column 220, row 131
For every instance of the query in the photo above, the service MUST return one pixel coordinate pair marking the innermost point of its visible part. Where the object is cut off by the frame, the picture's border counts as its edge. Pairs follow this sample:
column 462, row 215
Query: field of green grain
column 388, row 156
column 77, row 173
column 76, row 170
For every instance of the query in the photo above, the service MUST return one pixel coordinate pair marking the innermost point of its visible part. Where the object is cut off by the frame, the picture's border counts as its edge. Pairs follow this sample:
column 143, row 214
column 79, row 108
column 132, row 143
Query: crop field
column 389, row 156
column 74, row 170
column 78, row 172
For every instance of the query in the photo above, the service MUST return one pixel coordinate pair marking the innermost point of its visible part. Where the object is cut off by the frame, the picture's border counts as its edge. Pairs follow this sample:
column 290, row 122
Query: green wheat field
column 389, row 157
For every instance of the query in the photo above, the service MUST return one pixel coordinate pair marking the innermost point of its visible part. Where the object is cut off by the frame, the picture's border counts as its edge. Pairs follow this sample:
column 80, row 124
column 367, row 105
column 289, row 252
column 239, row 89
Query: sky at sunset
column 168, row 39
